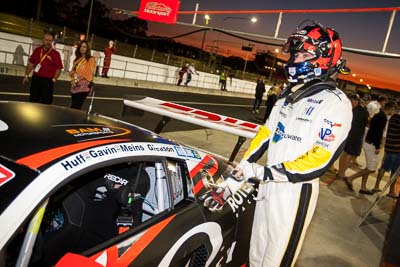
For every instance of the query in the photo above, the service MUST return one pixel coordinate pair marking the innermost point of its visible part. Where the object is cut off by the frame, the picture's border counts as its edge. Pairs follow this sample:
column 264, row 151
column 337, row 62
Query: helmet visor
column 299, row 43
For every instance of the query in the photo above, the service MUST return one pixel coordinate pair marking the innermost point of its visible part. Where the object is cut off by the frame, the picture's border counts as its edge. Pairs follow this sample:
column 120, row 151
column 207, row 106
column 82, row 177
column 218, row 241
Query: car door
column 172, row 231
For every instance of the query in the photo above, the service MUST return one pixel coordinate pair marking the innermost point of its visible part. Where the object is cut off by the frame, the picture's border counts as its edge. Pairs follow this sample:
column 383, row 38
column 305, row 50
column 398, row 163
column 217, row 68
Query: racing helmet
column 325, row 46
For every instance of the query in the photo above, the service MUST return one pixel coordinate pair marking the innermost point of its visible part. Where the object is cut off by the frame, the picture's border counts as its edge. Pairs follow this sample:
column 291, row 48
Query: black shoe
column 366, row 192
column 348, row 183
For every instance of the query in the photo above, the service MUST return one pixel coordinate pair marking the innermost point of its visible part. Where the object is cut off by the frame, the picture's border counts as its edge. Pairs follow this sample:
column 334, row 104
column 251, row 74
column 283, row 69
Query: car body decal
column 109, row 257
column 5, row 174
column 131, row 254
column 208, row 163
column 41, row 158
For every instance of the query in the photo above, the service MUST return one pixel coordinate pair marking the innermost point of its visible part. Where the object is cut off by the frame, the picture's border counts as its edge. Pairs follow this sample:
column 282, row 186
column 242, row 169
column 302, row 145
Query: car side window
column 157, row 198
column 182, row 186
column 98, row 206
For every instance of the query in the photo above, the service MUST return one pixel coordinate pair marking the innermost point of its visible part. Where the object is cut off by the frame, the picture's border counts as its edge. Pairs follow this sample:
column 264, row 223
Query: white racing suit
column 303, row 139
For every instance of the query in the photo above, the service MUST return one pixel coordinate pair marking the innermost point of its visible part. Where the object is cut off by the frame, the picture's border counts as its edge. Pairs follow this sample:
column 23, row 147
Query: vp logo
column 326, row 135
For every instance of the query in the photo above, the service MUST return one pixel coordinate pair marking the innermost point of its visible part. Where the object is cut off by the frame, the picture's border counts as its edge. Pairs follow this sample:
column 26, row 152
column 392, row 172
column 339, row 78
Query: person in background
column 260, row 90
column 222, row 80
column 81, row 75
column 391, row 160
column 364, row 101
column 271, row 99
column 108, row 51
column 303, row 136
column 372, row 146
column 231, row 75
column 375, row 106
column 191, row 70
column 354, row 140
column 182, row 72
column 46, row 65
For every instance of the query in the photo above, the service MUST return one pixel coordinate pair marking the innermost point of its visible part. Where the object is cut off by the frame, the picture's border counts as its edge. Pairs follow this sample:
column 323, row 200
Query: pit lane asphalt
column 333, row 238
column 108, row 101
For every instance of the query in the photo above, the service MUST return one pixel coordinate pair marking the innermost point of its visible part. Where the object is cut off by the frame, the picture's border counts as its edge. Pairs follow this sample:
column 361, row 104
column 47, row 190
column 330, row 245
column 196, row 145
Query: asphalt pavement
column 334, row 237
column 108, row 101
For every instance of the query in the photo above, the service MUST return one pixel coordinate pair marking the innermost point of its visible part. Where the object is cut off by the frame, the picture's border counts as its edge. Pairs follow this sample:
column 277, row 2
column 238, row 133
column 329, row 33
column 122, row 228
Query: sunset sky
column 357, row 30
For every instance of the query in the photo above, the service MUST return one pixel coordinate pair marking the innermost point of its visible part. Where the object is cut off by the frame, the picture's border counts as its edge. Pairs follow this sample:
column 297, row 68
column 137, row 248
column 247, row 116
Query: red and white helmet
column 323, row 43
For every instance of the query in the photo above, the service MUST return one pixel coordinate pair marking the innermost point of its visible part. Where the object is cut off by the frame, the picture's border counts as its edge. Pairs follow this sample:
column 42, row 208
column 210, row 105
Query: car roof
column 28, row 129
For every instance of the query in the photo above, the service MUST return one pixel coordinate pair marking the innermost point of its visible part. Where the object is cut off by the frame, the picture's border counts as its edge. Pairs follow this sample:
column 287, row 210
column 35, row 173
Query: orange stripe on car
column 130, row 255
column 201, row 164
column 111, row 255
column 41, row 158
column 198, row 187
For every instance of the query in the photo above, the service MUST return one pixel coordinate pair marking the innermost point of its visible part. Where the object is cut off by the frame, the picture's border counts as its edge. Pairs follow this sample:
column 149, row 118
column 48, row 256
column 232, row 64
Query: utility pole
column 39, row 10
column 89, row 20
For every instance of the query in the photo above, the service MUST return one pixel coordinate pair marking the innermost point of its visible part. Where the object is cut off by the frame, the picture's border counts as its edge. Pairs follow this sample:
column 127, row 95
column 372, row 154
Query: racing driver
column 304, row 135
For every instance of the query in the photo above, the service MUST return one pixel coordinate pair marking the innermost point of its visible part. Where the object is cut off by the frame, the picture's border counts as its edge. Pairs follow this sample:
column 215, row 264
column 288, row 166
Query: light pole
column 39, row 10
column 207, row 18
column 247, row 58
column 89, row 20
column 276, row 51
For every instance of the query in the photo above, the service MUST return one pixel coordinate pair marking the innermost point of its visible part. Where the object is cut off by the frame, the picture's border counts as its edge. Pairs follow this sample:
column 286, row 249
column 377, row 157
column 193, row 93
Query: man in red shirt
column 108, row 51
column 46, row 65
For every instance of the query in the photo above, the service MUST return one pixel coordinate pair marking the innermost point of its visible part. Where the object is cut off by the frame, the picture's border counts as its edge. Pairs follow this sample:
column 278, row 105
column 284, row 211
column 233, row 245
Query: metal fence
column 31, row 28
column 125, row 69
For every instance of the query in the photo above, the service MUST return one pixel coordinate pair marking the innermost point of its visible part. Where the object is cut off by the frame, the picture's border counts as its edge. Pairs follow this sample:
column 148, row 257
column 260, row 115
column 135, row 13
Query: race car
column 80, row 189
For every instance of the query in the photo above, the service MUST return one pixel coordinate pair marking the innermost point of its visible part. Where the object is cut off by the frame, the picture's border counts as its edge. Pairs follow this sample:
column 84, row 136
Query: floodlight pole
column 195, row 13
column 39, row 10
column 389, row 30
column 90, row 19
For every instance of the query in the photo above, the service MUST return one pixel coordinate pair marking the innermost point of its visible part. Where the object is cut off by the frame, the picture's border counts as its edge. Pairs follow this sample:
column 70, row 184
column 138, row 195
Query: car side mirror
column 71, row 259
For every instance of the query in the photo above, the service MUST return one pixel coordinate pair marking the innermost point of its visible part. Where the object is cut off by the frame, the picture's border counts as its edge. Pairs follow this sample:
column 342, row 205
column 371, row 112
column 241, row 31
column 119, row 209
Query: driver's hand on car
column 248, row 171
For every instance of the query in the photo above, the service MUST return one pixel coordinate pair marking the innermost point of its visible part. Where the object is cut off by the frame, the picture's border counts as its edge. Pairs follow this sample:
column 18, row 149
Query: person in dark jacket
column 260, row 90
column 372, row 146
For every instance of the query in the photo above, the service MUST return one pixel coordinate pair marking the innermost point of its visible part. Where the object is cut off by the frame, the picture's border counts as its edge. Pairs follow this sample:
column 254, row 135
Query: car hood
column 30, row 132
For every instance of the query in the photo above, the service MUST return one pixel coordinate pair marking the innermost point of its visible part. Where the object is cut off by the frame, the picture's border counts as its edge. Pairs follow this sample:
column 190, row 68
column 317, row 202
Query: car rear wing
column 169, row 110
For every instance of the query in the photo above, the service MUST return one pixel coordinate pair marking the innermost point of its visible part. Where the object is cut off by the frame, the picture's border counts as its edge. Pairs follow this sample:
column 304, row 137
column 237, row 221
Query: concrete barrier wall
column 15, row 49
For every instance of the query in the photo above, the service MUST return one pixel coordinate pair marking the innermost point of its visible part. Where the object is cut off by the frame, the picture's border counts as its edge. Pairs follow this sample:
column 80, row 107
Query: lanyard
column 45, row 55
column 77, row 64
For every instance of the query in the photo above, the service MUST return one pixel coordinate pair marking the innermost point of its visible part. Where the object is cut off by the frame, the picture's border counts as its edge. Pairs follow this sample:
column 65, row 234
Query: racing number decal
column 5, row 174
column 212, row 229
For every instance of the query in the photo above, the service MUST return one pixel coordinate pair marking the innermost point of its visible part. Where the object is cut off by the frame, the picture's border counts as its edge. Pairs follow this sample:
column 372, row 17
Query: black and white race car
column 88, row 190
